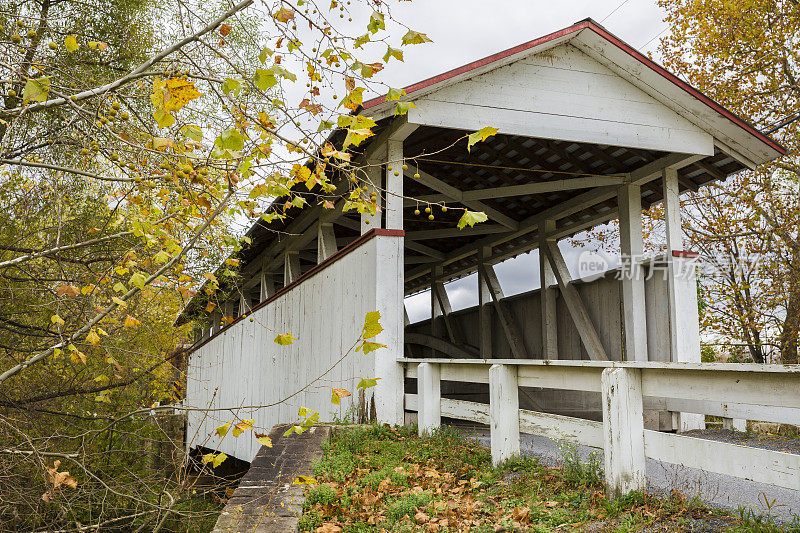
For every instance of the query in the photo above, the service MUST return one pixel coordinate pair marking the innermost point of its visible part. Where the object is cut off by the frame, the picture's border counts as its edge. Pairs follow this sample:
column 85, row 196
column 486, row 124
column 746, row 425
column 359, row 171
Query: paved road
column 716, row 489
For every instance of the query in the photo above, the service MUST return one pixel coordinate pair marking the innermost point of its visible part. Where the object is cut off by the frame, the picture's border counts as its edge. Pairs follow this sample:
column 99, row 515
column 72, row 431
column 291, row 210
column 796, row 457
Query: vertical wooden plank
column 580, row 317
column 374, row 178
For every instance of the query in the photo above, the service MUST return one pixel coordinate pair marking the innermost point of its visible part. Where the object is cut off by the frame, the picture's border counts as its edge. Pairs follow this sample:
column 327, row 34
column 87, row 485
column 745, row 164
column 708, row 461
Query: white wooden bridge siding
column 562, row 94
column 325, row 313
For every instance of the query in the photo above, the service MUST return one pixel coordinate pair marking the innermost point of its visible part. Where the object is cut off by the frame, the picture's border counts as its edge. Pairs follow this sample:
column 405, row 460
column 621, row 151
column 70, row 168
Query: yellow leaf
column 76, row 356
column 55, row 319
column 480, row 135
column 131, row 322
column 71, row 43
column 118, row 301
column 304, row 480
column 222, row 430
column 264, row 440
column 93, row 338
column 284, row 339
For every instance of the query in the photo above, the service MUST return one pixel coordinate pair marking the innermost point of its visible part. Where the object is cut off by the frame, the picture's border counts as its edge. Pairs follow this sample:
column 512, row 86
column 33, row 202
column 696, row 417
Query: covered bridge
column 589, row 130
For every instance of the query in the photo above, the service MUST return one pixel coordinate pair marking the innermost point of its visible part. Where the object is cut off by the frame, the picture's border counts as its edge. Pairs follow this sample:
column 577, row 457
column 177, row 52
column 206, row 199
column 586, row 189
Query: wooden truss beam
column 506, row 319
column 581, row 202
column 580, row 317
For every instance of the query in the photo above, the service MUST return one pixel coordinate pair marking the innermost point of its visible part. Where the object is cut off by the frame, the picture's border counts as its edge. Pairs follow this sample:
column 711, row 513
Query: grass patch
column 374, row 478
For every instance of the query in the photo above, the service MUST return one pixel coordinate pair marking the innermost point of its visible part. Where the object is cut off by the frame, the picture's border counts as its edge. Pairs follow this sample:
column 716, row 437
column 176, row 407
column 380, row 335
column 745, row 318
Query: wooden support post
column 629, row 199
column 510, row 329
column 581, row 318
column 684, row 326
column 623, row 431
column 375, row 184
column 484, row 309
column 503, row 412
column 394, row 184
column 326, row 241
column 429, row 398
column 389, row 393
column 291, row 267
column 266, row 285
column 244, row 305
column 547, row 295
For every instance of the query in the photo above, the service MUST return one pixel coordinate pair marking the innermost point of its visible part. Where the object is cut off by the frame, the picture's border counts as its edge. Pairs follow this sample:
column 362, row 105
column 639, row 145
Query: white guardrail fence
column 769, row 393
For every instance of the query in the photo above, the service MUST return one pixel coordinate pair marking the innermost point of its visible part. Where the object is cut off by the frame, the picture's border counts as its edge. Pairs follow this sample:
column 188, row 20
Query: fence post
column 429, row 398
column 623, row 431
column 503, row 412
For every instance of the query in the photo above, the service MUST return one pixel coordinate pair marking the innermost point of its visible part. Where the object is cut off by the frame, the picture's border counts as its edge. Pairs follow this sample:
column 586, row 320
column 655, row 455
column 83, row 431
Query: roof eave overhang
column 591, row 38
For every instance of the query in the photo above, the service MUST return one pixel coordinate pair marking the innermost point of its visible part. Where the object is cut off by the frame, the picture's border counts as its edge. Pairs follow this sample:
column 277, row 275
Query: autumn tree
column 132, row 135
column 745, row 55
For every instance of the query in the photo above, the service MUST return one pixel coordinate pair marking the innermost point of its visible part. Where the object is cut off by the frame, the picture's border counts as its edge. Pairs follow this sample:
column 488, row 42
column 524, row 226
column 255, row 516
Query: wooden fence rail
column 757, row 392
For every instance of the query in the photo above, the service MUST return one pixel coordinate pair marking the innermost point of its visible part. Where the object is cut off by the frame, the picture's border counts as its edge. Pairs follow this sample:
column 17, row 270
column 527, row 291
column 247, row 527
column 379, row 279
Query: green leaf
column 36, row 90
column 470, row 218
column 163, row 117
column 193, row 132
column 231, row 84
column 222, row 430
column 120, row 288
column 264, row 79
column 372, row 325
column 392, row 53
column 367, row 383
column 230, row 139
column 402, row 108
column 215, row 459
column 415, row 37
column 138, row 280
column 71, row 43
column 283, row 73
column 376, row 22
column 264, row 54
column 480, row 135
column 284, row 339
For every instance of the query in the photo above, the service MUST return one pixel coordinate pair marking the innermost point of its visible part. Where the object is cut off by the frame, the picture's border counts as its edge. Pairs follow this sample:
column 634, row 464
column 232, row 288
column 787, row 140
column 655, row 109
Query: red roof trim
column 374, row 232
column 589, row 24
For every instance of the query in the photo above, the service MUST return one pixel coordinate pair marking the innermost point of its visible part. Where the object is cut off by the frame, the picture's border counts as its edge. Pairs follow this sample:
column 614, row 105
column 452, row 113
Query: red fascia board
column 588, row 24
column 374, row 232
column 685, row 254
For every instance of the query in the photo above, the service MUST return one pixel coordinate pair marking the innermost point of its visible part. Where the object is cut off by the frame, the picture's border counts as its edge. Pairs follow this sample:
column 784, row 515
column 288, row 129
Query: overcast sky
column 466, row 30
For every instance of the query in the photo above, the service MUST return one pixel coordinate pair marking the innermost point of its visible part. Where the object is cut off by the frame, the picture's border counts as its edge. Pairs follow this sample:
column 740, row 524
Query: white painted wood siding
column 562, row 94
column 243, row 366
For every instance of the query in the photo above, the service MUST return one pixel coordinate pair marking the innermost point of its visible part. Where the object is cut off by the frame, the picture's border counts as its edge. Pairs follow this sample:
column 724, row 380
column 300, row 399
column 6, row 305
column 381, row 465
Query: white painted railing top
column 653, row 365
